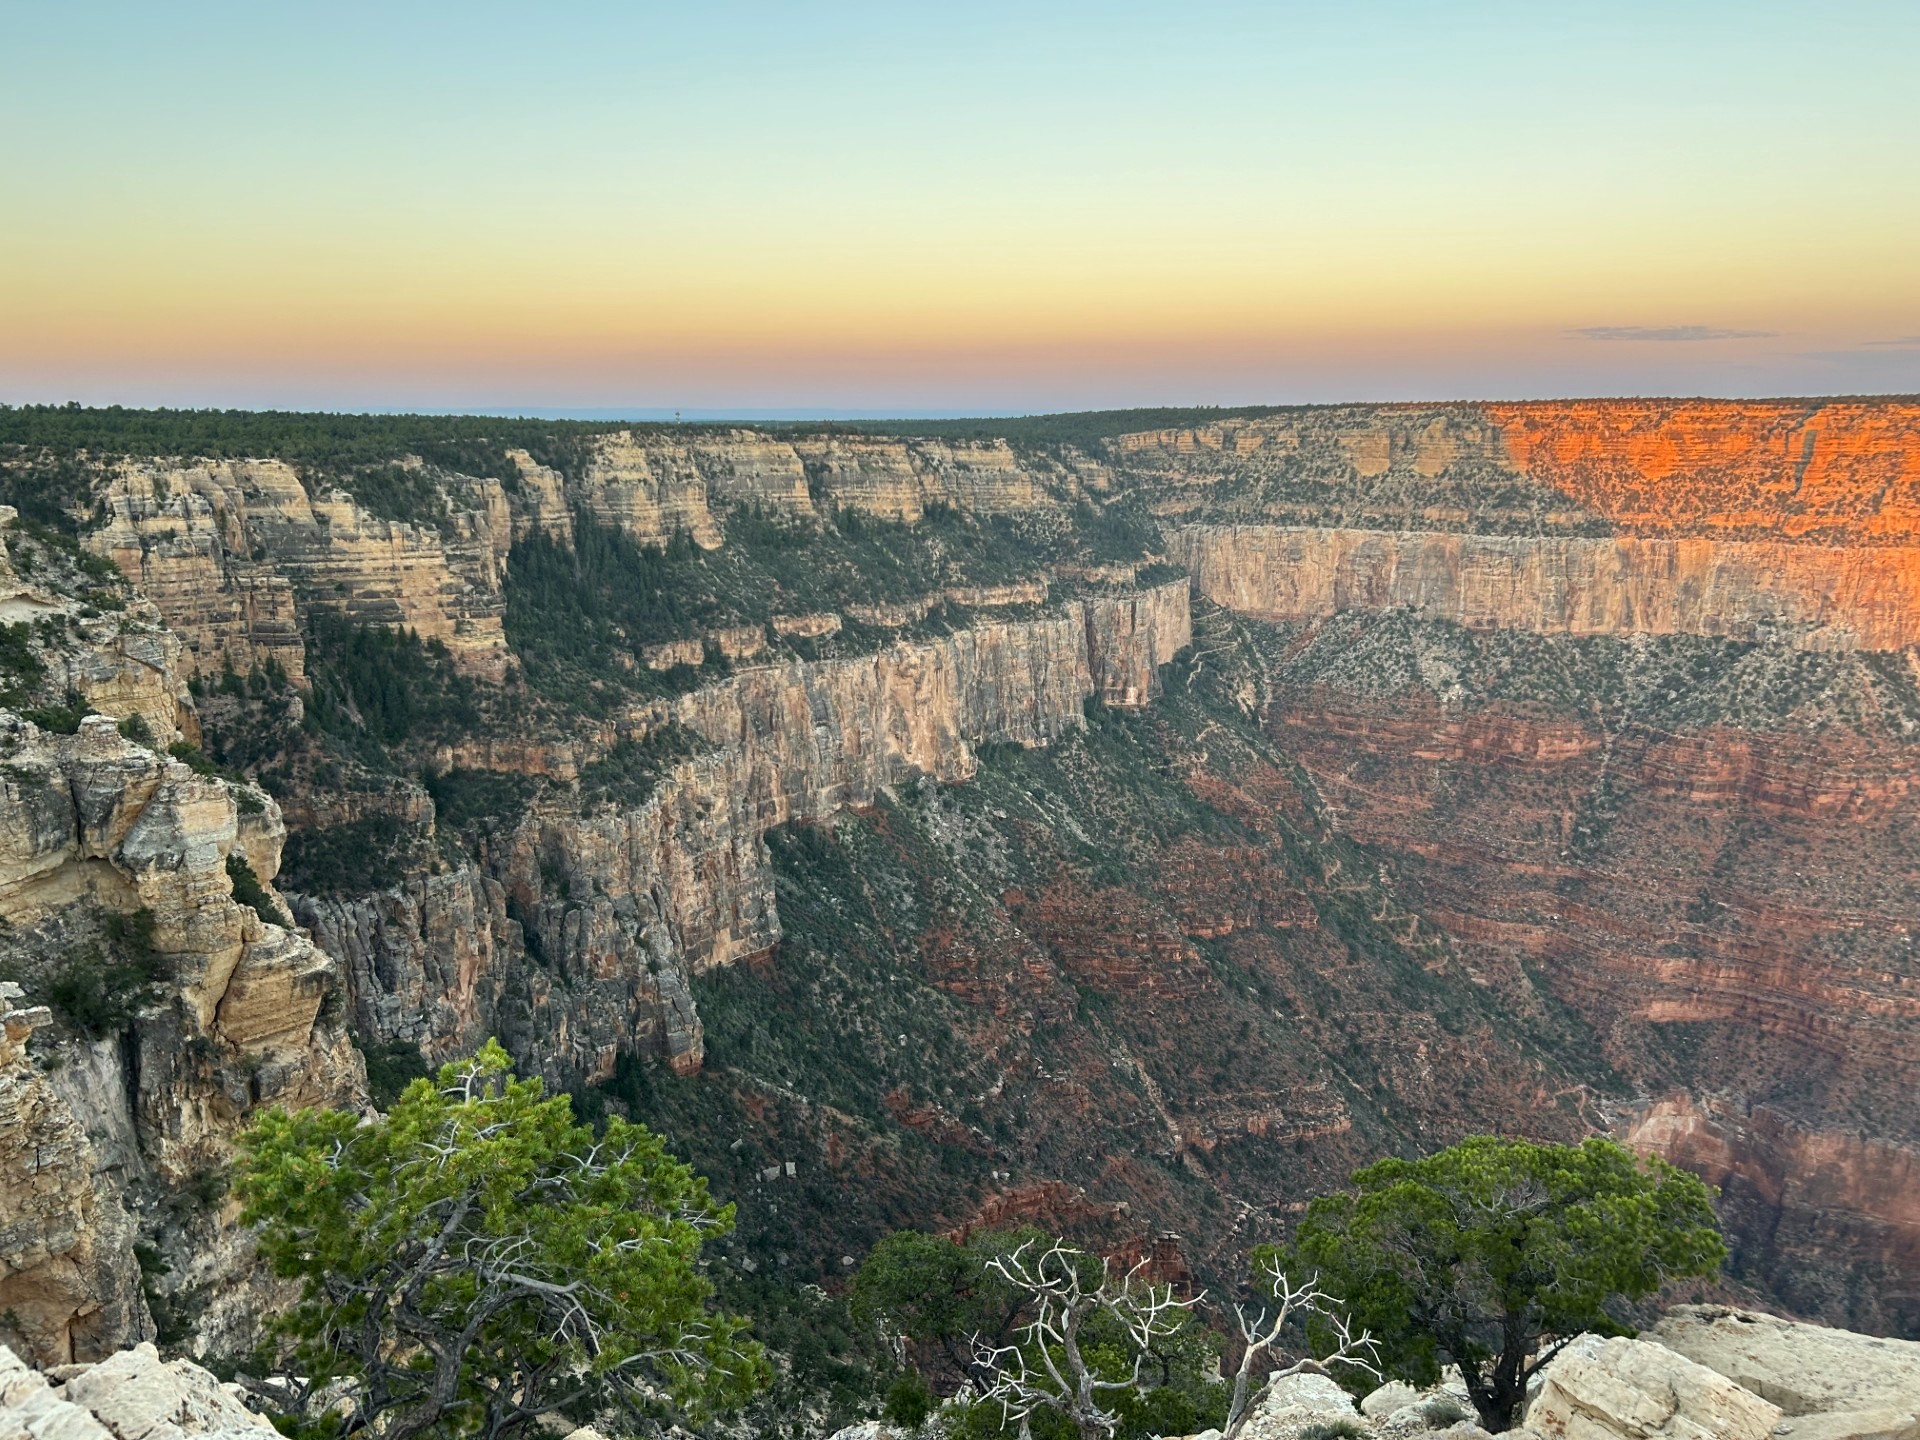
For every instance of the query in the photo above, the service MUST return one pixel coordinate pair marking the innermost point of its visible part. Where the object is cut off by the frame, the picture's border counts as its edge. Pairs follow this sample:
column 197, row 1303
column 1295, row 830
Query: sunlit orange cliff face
column 1833, row 472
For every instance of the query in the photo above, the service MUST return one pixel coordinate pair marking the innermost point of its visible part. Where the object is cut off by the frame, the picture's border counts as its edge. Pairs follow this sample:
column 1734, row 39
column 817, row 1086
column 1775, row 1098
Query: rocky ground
column 1703, row 1373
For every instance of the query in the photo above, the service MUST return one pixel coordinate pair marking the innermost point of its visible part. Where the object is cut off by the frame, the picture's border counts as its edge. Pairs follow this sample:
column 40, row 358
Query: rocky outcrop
column 1828, row 471
column 1829, row 1383
column 1623, row 1389
column 577, row 939
column 122, row 663
column 235, row 552
column 1822, row 597
column 1822, row 471
column 212, row 1013
column 1707, row 1371
column 99, row 820
column 899, row 478
column 69, row 1283
column 655, row 483
column 1795, row 1197
column 133, row 1395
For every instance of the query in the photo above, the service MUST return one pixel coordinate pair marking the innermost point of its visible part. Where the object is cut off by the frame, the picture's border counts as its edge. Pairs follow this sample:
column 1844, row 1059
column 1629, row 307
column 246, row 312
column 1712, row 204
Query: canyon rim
column 1126, row 829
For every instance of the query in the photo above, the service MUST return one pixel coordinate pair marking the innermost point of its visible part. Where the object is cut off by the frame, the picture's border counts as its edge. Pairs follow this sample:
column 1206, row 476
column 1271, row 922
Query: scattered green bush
column 61, row 719
column 248, row 891
column 357, row 857
column 392, row 1065
column 98, row 989
column 909, row 1401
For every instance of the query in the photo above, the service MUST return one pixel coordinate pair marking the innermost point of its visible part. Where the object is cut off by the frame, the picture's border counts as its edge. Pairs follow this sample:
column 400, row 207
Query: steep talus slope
column 1665, row 772
column 1131, row 981
column 1714, row 869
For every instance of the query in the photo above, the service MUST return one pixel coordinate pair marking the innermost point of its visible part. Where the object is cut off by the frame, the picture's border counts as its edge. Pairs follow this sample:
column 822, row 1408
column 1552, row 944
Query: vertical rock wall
column 577, row 939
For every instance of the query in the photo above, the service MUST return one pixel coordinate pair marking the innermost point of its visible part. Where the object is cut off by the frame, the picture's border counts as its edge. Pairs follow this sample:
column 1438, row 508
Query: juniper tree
column 1493, row 1254
column 476, row 1259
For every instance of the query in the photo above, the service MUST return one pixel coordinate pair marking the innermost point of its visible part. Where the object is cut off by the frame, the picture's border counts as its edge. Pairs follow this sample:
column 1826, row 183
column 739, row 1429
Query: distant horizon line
column 800, row 414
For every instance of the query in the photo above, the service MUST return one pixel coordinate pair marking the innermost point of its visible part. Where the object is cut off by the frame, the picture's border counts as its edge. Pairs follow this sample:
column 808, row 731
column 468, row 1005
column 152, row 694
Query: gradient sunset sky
column 965, row 207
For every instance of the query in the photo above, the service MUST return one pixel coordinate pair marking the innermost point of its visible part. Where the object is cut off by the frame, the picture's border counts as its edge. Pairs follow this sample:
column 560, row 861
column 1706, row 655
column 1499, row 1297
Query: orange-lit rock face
column 1837, row 471
column 1826, row 596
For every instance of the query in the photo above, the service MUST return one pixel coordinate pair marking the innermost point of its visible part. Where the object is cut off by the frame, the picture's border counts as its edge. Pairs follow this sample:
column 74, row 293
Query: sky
column 987, row 207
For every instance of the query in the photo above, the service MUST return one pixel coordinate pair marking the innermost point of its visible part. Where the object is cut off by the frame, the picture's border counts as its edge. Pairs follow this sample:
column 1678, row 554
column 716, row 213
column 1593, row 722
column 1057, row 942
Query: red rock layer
column 1731, row 913
column 1829, row 470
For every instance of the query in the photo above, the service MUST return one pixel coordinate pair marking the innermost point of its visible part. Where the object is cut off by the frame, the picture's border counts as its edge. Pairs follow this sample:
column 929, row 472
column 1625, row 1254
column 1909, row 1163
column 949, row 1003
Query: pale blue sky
column 1012, row 206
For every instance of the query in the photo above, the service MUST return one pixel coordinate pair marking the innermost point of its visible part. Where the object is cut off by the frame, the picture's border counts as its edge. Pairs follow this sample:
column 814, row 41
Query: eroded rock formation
column 622, row 907
column 1821, row 597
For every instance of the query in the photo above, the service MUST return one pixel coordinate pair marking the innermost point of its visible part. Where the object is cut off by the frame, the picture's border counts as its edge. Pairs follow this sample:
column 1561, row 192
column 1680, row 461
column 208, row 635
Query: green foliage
column 477, row 1260
column 1442, row 1411
column 248, row 891
column 941, row 1294
column 1481, row 1253
column 396, row 492
column 246, row 722
column 197, row 760
column 909, row 1401
column 98, row 989
column 374, row 688
column 48, row 436
column 830, row 1366
column 392, row 1065
column 628, row 773
column 355, row 857
column 947, row 1298
column 21, row 670
column 136, row 729
column 50, row 488
column 1337, row 1429
column 63, row 719
column 466, row 797
column 578, row 617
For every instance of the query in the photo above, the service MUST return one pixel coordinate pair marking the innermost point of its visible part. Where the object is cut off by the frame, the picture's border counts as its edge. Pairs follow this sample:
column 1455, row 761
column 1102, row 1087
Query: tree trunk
column 1499, row 1405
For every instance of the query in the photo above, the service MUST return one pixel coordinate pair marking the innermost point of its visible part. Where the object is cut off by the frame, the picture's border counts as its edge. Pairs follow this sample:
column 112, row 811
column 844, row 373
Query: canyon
column 921, row 827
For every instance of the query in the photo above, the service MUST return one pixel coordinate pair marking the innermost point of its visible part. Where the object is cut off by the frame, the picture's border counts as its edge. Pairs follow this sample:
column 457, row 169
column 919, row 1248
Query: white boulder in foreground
column 1832, row 1384
column 133, row 1395
column 1598, row 1389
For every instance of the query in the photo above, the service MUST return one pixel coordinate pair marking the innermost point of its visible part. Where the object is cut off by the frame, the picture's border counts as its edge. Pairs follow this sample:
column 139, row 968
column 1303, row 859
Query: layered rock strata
column 1822, row 597
column 95, row 825
column 234, row 552
column 1820, row 471
column 577, row 935
column 97, row 820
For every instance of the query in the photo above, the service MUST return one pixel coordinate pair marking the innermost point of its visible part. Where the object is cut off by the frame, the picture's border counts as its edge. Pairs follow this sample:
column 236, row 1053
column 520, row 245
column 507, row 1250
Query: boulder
column 30, row 1409
column 1807, row 1370
column 1392, row 1396
column 1616, row 1389
column 1295, row 1404
column 138, row 1396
